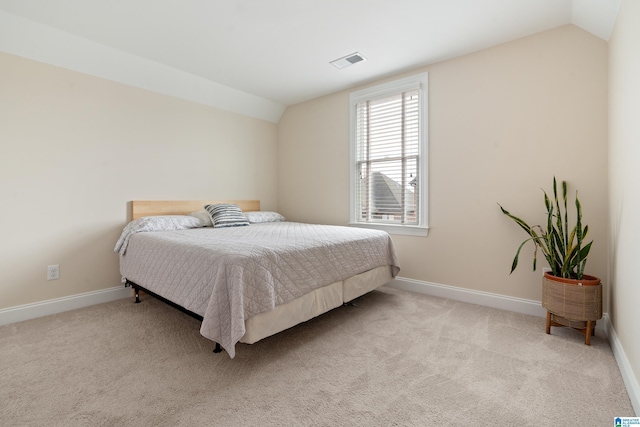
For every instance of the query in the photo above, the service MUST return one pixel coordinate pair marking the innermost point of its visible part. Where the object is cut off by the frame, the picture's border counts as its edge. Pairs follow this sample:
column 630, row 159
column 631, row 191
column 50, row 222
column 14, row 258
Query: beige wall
column 624, row 143
column 502, row 122
column 76, row 149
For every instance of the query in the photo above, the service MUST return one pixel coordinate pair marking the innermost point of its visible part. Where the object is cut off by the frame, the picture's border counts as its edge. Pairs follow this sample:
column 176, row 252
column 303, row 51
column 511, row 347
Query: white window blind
column 387, row 153
column 388, row 156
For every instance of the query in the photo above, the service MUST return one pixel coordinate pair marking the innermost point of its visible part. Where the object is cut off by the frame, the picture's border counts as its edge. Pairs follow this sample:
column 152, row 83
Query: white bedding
column 233, row 274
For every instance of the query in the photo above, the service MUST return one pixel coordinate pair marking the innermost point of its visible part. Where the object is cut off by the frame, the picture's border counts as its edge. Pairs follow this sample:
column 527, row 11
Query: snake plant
column 562, row 247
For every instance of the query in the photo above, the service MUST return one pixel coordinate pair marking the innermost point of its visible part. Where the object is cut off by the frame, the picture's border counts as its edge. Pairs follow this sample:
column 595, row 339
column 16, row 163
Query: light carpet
column 395, row 359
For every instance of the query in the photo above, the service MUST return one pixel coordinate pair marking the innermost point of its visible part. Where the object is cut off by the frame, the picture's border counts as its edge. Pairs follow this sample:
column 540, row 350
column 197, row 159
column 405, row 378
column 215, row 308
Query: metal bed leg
column 136, row 290
column 218, row 348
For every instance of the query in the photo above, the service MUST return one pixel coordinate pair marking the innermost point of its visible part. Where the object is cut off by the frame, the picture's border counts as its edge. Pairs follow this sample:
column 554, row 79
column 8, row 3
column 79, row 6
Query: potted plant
column 571, row 297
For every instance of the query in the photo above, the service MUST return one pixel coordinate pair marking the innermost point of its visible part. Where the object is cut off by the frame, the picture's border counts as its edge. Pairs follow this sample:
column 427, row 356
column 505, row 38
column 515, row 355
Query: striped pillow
column 226, row 215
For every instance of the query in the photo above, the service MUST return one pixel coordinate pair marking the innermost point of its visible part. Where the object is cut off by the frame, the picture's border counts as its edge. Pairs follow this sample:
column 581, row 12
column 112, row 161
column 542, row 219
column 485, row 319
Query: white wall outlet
column 53, row 272
column 546, row 270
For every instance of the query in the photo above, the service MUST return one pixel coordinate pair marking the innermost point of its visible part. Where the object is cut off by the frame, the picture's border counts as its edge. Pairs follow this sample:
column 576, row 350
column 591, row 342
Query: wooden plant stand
column 587, row 328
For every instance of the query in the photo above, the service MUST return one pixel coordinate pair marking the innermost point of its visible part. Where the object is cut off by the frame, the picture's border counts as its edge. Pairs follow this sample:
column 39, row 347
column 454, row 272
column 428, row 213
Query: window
column 389, row 156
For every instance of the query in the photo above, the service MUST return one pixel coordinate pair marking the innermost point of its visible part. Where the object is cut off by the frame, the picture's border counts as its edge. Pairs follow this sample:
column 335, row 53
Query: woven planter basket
column 574, row 300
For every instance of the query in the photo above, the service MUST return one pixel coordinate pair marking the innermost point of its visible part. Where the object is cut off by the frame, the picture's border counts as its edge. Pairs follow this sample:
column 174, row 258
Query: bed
column 246, row 283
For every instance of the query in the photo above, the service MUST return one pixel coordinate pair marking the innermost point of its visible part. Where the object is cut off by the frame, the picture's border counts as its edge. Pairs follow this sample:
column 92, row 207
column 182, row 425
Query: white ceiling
column 258, row 56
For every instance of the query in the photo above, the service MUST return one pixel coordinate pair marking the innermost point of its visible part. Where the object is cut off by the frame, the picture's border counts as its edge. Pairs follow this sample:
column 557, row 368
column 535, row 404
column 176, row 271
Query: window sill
column 406, row 230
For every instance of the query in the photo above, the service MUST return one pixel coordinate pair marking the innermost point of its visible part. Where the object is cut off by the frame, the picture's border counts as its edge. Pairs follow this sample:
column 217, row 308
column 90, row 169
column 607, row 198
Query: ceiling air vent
column 348, row 60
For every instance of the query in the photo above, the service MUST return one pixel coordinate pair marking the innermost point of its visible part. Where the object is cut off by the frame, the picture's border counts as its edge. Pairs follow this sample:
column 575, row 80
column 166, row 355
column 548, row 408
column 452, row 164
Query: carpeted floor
column 396, row 358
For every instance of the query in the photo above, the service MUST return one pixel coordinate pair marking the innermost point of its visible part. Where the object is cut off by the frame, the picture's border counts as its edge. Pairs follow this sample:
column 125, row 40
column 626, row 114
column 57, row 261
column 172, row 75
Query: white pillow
column 204, row 217
column 263, row 216
column 155, row 223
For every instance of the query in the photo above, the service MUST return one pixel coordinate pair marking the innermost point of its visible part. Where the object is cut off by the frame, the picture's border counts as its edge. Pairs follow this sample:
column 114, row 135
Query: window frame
column 395, row 87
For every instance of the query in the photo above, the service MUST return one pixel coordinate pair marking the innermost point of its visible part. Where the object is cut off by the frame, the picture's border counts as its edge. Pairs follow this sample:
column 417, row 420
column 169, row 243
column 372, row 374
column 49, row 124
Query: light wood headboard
column 140, row 208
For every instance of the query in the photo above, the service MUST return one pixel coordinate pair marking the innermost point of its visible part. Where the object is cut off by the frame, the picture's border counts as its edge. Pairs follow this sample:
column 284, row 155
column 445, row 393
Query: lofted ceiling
column 256, row 57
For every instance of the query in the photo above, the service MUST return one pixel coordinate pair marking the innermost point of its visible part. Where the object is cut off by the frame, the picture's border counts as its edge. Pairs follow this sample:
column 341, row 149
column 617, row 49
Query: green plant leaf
column 566, row 214
column 518, row 221
column 563, row 247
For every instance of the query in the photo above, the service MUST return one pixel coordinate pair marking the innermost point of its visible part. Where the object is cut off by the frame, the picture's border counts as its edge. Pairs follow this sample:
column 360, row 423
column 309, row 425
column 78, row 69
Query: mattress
column 231, row 275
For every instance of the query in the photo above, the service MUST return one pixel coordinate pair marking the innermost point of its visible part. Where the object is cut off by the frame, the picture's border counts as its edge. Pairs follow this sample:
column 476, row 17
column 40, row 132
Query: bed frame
column 283, row 316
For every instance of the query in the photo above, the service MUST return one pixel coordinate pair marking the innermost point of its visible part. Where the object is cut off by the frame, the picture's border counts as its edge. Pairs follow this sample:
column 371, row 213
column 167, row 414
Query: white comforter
column 229, row 275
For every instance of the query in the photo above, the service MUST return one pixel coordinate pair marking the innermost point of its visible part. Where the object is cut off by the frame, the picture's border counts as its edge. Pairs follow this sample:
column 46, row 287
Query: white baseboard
column 58, row 305
column 630, row 380
column 488, row 299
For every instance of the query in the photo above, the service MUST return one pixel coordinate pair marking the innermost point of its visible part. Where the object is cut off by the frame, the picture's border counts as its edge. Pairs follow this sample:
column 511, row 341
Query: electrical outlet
column 546, row 270
column 53, row 272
